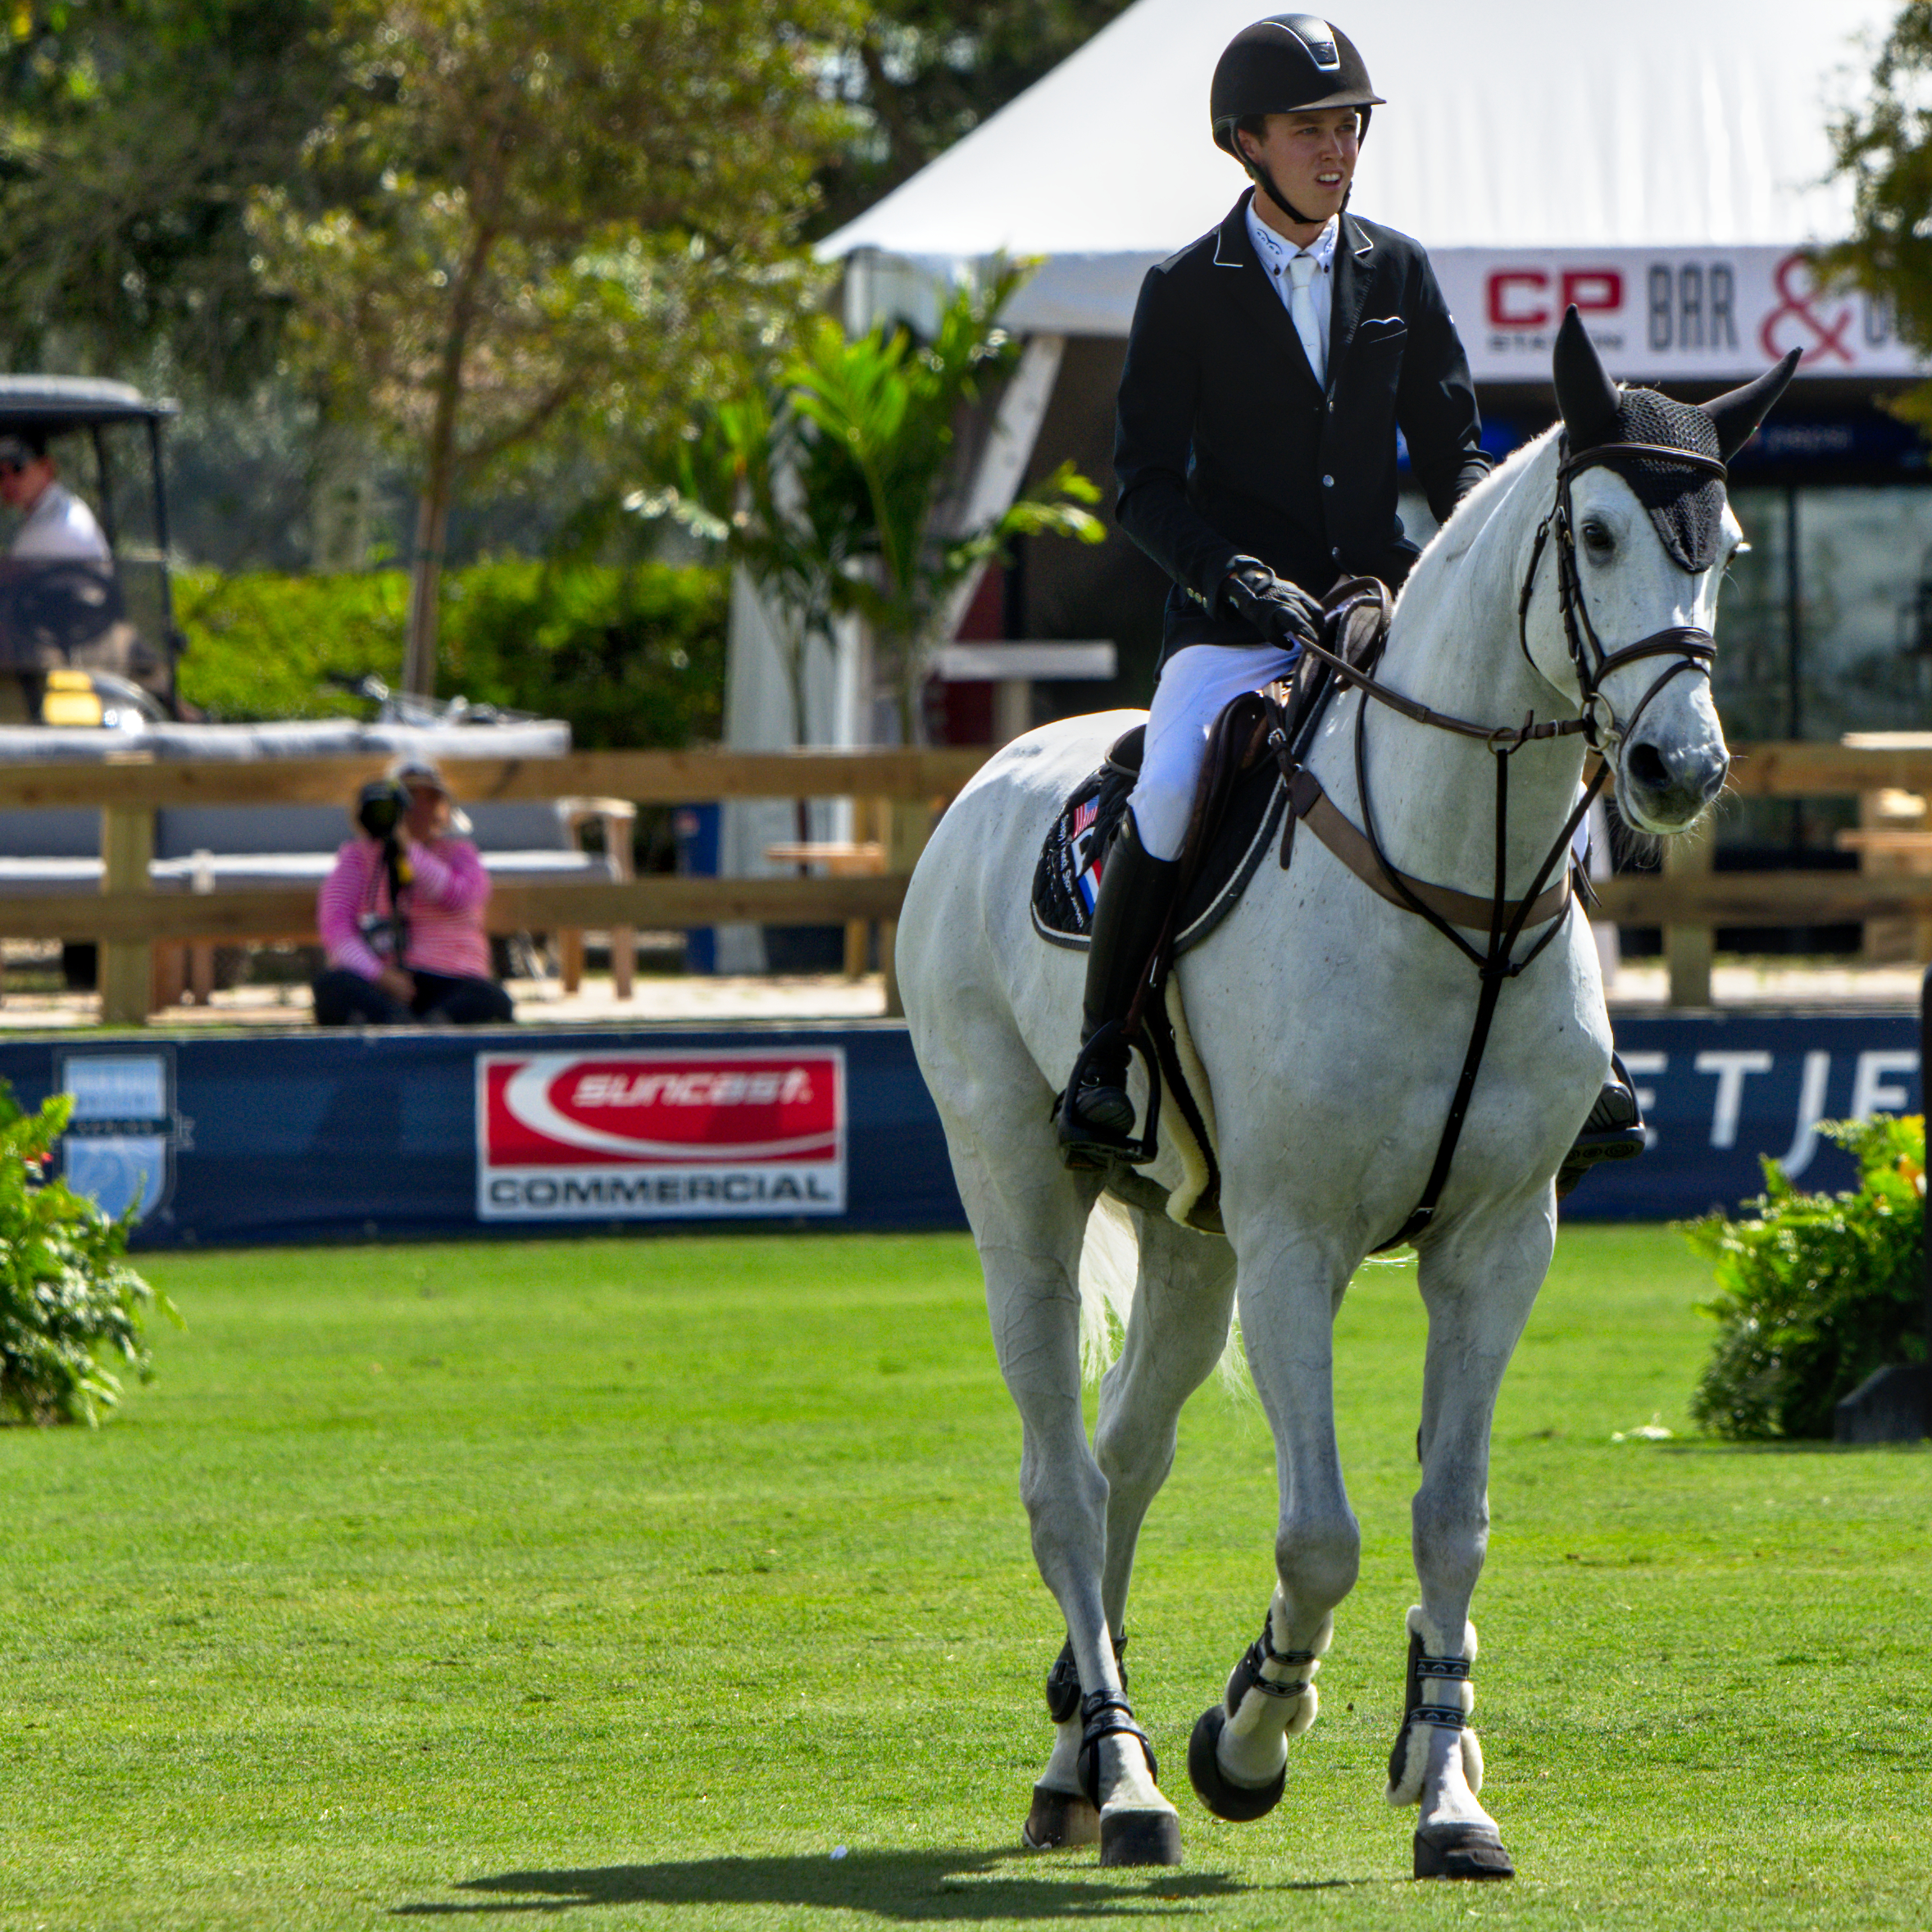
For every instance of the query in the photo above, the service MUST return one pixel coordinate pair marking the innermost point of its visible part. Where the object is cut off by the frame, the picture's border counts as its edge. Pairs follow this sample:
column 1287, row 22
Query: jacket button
column 1328, row 483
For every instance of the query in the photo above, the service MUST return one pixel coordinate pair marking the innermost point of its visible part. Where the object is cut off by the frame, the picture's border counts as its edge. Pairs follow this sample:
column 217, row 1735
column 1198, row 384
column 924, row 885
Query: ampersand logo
column 1798, row 295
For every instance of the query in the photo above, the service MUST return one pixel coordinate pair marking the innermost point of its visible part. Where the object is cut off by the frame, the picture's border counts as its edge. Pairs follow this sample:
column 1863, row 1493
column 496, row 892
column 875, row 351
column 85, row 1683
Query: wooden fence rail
column 645, row 778
column 128, row 918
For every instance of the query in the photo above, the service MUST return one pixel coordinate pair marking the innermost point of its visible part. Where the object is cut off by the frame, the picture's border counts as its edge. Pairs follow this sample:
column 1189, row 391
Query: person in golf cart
column 56, row 526
column 1269, row 367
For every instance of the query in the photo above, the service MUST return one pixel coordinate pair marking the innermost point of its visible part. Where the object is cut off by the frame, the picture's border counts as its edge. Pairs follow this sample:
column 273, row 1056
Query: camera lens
column 380, row 808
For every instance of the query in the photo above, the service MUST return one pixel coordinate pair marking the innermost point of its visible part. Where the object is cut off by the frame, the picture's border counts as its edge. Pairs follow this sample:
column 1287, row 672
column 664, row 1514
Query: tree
column 132, row 133
column 546, row 218
column 785, row 506
column 829, row 486
column 1885, row 146
column 893, row 408
column 921, row 73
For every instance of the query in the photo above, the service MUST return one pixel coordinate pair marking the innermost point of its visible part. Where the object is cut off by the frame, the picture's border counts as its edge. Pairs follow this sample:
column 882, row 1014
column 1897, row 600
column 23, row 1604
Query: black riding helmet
column 1288, row 63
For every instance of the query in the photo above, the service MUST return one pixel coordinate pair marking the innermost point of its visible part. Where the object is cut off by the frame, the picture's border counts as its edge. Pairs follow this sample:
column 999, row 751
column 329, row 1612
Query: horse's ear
column 1738, row 414
column 1585, row 394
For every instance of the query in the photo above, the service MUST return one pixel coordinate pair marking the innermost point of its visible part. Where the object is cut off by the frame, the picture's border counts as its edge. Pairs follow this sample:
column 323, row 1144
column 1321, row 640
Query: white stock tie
column 1301, row 311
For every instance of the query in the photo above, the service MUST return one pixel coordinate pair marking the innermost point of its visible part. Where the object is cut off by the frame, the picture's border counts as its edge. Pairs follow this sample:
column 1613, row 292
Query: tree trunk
column 426, row 584
column 439, row 476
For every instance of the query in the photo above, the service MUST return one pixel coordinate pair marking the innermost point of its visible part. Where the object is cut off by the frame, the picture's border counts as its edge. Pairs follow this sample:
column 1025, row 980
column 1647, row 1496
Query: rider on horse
column 1271, row 364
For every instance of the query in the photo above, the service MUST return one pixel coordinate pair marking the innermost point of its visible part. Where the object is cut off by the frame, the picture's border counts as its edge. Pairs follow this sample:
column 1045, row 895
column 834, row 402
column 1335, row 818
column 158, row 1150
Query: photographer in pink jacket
column 401, row 915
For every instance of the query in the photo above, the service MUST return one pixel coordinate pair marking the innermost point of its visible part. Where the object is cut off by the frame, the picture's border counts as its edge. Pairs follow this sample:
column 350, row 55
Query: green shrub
column 633, row 658
column 67, row 1295
column 630, row 657
column 1818, row 1290
column 263, row 646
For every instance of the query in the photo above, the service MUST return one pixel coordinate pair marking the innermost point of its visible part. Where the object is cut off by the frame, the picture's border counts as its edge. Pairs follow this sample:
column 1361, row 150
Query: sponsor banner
column 254, row 1140
column 1720, row 314
column 124, row 1129
column 1722, row 1092
column 645, row 1134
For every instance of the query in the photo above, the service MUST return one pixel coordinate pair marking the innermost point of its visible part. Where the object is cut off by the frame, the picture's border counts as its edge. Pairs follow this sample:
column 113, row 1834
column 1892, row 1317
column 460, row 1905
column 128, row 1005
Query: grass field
column 622, row 1583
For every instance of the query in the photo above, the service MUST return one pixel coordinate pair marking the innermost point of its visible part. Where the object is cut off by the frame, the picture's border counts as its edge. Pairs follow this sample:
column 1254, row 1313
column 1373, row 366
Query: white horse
column 1330, row 1027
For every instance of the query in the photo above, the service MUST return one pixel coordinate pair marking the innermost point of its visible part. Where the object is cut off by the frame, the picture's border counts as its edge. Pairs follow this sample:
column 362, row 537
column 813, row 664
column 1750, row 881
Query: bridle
column 1690, row 648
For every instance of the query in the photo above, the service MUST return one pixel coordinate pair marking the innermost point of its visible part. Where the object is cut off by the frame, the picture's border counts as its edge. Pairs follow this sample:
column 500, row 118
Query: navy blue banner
column 1720, row 1091
column 307, row 1137
column 312, row 1136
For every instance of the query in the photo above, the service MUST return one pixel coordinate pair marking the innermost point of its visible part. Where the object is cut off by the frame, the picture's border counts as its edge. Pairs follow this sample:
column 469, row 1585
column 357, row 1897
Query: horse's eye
column 1596, row 537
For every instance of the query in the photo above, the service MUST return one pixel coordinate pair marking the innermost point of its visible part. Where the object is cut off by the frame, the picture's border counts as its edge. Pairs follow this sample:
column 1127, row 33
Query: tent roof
column 1510, row 123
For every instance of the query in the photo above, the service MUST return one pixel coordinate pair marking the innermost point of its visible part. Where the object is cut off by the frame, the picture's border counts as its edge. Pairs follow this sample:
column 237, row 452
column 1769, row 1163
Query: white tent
column 1511, row 125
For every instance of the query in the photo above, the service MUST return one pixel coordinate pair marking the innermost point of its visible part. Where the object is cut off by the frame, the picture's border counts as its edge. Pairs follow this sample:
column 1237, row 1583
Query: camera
column 381, row 807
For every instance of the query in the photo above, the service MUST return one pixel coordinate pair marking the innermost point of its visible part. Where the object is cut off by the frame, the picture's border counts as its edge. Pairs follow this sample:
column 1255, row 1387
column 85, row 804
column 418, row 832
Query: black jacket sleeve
column 1435, row 403
column 1154, row 434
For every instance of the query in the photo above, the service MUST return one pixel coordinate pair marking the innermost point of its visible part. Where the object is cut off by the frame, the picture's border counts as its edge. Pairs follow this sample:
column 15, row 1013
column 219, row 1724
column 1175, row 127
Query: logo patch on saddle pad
column 1073, row 856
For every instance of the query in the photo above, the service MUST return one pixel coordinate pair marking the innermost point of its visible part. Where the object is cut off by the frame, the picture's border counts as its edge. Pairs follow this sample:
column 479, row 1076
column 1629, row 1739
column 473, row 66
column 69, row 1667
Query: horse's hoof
column 1059, row 1819
column 1239, row 1804
column 1460, row 1851
column 1139, row 1838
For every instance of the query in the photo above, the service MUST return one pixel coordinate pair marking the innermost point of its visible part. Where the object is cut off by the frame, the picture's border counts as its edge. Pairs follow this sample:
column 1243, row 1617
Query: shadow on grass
column 914, row 1888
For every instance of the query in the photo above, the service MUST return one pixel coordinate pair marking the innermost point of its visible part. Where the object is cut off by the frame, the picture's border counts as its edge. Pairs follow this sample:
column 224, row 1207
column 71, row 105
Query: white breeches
column 1196, row 685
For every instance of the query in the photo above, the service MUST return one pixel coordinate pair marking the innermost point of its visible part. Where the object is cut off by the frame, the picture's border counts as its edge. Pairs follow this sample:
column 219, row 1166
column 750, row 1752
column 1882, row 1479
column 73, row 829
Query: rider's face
column 1311, row 157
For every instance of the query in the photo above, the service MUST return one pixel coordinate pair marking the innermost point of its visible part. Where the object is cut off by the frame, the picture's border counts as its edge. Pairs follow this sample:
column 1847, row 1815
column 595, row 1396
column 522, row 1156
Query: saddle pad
column 1066, row 881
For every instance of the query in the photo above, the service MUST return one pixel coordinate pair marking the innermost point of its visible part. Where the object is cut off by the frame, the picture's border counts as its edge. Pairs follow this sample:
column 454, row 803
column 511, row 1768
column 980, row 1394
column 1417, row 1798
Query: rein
column 1691, row 647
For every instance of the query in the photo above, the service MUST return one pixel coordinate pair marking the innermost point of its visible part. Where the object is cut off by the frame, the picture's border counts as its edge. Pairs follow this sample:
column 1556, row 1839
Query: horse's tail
column 1110, row 1265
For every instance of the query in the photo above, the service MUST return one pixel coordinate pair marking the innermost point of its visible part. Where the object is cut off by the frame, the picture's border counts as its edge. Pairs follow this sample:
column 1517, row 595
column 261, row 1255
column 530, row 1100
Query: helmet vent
column 1314, row 34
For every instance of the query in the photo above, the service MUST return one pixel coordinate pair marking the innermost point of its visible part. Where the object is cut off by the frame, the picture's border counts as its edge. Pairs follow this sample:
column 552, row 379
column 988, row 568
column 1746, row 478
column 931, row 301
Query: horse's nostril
column 1645, row 764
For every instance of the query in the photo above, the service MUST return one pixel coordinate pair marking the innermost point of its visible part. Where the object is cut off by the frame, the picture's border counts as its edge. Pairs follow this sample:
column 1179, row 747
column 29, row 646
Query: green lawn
column 621, row 1583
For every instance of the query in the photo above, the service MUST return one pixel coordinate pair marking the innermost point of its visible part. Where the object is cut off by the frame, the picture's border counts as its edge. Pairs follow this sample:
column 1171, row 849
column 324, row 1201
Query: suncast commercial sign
column 661, row 1133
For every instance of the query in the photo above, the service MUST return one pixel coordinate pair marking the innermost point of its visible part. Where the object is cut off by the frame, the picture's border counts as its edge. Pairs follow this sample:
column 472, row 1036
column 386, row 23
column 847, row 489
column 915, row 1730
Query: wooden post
column 868, row 822
column 1688, row 948
column 908, row 827
column 126, row 966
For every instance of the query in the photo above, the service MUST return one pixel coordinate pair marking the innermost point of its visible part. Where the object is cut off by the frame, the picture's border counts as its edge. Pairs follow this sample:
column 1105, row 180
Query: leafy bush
column 1818, row 1290
column 67, row 1295
column 630, row 657
column 260, row 645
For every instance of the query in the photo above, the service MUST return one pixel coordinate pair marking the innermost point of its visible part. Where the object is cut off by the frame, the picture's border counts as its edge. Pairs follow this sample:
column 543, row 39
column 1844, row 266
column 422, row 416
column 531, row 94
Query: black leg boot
column 1097, row 1117
column 1613, row 1132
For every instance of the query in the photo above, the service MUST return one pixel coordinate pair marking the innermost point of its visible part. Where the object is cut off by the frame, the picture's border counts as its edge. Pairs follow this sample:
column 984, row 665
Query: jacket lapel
column 1256, row 293
column 1353, row 270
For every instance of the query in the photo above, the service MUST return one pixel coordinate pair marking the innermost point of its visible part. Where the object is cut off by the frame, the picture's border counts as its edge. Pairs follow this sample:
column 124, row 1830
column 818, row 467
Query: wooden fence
column 127, row 916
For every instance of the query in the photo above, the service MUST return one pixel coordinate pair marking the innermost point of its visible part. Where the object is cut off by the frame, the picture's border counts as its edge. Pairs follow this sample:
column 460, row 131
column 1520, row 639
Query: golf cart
column 85, row 643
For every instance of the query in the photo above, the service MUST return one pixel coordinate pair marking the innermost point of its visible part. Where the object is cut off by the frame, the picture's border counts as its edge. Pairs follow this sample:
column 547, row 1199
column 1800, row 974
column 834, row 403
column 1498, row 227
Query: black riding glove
column 1281, row 611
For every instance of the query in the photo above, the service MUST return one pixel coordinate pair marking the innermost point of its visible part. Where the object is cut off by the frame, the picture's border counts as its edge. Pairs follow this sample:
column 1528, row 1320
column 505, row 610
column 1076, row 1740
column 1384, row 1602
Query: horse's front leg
column 1237, row 1756
column 1479, row 1284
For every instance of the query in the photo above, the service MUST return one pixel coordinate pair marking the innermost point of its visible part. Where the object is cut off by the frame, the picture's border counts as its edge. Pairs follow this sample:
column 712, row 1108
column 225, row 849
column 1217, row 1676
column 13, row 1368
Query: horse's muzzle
column 1664, row 789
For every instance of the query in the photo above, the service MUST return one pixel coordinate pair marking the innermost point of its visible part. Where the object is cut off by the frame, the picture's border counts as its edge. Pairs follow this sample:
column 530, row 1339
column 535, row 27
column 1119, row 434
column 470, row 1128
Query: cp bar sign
column 661, row 1133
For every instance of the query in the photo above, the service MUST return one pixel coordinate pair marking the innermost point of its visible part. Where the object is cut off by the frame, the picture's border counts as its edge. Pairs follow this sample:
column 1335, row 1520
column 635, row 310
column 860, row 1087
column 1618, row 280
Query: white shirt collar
column 1275, row 251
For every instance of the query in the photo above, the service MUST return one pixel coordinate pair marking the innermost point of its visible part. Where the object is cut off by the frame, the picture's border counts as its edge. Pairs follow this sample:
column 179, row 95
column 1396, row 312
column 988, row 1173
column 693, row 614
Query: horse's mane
column 1468, row 522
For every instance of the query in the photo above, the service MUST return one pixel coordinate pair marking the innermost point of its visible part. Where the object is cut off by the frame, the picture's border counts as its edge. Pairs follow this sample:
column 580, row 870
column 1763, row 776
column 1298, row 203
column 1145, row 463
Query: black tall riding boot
column 1613, row 1132
column 1097, row 1121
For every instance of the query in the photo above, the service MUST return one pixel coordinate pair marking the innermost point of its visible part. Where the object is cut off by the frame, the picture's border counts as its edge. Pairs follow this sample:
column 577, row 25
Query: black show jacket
column 1225, row 444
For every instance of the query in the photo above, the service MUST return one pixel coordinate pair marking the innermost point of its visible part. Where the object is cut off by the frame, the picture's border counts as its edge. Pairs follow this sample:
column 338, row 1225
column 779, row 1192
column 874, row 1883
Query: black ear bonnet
column 1686, row 506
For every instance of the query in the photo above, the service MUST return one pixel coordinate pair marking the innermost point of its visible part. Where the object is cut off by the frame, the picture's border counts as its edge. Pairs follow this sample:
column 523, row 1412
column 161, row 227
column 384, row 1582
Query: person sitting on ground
column 56, row 526
column 426, row 958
